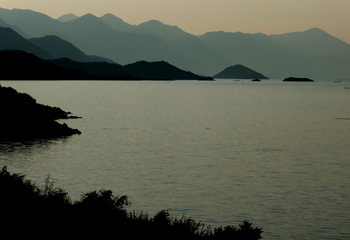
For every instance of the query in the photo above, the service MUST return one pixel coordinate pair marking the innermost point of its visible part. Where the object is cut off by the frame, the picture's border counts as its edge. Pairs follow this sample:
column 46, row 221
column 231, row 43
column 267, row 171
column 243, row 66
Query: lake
column 271, row 152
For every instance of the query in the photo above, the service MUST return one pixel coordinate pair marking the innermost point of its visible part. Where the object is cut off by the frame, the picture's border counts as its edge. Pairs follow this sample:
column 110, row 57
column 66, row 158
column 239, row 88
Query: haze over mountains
column 313, row 53
column 39, row 54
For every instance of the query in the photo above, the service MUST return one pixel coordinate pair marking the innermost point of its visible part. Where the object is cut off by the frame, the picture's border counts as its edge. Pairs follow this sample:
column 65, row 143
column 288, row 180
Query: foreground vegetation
column 28, row 210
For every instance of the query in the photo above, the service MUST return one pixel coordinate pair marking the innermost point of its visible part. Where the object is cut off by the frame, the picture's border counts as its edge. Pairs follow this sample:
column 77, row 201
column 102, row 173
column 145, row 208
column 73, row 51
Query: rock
column 294, row 79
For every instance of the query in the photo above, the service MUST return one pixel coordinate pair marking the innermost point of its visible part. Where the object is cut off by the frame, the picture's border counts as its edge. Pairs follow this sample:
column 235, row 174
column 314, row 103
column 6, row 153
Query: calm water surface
column 273, row 153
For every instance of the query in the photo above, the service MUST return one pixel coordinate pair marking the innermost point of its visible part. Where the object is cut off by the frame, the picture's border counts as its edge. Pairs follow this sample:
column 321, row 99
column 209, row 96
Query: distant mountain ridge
column 48, row 47
column 116, row 23
column 59, row 48
column 19, row 65
column 66, row 55
column 313, row 53
column 141, row 70
column 6, row 25
column 67, row 17
column 11, row 40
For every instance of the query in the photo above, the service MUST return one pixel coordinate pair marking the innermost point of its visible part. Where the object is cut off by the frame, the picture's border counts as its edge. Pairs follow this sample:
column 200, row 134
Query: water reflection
column 276, row 154
column 25, row 147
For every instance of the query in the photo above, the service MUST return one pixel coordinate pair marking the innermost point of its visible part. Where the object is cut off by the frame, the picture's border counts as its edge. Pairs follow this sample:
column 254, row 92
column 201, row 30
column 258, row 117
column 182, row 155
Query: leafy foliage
column 50, row 212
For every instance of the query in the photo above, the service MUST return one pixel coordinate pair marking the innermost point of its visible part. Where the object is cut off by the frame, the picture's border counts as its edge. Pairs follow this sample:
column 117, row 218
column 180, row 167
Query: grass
column 49, row 212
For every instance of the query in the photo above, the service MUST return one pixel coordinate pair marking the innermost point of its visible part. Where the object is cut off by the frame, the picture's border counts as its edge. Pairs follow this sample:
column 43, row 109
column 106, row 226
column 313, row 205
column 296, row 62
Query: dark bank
column 22, row 118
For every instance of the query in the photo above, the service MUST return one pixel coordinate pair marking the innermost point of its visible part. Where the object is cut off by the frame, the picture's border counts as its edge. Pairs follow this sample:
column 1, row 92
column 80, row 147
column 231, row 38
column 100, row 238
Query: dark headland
column 22, row 118
column 239, row 72
column 294, row 79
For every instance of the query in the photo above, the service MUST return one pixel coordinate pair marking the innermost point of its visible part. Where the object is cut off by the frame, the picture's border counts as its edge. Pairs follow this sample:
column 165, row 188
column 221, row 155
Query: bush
column 49, row 212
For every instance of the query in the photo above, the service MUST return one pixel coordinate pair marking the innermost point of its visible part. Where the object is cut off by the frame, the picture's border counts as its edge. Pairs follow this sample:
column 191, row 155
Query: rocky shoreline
column 22, row 118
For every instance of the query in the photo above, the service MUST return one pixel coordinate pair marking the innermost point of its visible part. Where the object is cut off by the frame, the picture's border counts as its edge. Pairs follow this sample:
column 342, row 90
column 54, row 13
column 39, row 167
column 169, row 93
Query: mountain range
column 53, row 58
column 312, row 53
column 20, row 65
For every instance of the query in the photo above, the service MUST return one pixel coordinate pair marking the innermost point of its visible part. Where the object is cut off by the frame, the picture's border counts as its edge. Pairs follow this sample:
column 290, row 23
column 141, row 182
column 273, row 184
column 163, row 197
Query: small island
column 239, row 72
column 294, row 79
column 23, row 119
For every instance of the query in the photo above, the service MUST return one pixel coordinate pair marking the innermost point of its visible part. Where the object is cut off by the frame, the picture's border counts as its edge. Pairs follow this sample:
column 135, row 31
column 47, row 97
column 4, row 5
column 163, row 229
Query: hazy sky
column 200, row 16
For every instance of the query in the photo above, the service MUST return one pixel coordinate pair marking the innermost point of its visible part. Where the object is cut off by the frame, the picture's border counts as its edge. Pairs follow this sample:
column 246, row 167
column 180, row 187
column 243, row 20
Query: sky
column 201, row 16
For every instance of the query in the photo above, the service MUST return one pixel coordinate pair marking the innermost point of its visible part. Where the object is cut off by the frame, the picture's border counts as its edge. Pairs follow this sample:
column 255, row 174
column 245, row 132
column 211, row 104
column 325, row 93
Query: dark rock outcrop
column 294, row 79
column 22, row 118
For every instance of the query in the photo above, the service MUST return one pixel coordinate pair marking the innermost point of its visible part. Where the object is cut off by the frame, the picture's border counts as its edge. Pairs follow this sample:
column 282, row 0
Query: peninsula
column 22, row 118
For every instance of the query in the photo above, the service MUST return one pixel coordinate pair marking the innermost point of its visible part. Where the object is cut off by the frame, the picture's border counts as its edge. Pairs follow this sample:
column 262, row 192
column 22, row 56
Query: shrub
column 50, row 212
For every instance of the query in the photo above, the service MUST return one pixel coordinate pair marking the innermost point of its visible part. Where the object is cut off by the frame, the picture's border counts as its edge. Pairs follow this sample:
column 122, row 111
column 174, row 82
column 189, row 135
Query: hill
column 239, row 72
column 11, row 40
column 18, row 30
column 48, row 47
column 19, row 65
column 141, row 70
column 160, row 70
column 116, row 23
column 327, row 56
column 59, row 48
column 92, row 68
column 171, row 34
column 67, row 17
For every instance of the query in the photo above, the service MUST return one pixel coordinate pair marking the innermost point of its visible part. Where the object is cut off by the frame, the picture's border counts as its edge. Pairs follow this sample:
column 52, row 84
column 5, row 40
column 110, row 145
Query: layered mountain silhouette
column 66, row 56
column 48, row 47
column 239, row 72
column 140, row 70
column 59, row 48
column 117, row 23
column 19, row 65
column 313, row 53
column 11, row 40
column 6, row 25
